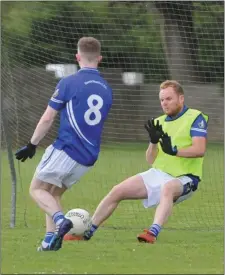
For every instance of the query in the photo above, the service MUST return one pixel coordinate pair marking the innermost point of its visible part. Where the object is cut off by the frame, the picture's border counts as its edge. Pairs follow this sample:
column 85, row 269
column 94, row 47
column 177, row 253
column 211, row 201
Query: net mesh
column 143, row 44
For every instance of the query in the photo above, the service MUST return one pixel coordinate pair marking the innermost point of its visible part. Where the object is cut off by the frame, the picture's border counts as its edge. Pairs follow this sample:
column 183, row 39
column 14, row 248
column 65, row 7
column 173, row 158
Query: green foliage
column 36, row 33
column 209, row 27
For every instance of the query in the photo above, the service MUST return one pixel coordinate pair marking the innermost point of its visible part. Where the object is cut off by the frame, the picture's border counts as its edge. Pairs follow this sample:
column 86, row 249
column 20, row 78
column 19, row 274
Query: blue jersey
column 84, row 100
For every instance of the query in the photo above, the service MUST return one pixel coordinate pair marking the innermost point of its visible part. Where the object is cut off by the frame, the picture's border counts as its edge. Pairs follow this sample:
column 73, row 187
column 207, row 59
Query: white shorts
column 154, row 181
column 57, row 168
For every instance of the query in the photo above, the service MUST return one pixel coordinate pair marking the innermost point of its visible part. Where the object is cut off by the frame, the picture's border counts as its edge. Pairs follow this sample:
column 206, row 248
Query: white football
column 81, row 221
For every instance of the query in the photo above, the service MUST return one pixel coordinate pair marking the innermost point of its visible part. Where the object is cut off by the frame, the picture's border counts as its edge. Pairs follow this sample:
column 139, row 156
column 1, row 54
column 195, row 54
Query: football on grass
column 81, row 221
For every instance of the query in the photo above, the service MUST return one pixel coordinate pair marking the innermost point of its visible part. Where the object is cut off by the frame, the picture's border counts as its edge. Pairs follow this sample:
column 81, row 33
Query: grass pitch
column 191, row 243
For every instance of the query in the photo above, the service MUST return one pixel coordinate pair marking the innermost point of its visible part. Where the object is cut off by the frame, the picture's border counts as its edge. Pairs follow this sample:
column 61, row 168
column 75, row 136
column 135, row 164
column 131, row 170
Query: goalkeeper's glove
column 26, row 151
column 166, row 145
column 155, row 131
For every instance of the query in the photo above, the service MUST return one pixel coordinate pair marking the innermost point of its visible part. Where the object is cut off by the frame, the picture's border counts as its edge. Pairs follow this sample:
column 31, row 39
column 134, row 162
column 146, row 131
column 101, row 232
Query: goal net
column 143, row 44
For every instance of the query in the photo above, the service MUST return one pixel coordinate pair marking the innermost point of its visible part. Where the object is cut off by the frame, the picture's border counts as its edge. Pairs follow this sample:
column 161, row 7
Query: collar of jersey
column 88, row 69
column 169, row 118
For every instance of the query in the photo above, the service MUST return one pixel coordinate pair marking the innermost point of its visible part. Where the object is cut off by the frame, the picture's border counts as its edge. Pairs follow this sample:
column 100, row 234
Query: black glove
column 155, row 131
column 166, row 145
column 27, row 151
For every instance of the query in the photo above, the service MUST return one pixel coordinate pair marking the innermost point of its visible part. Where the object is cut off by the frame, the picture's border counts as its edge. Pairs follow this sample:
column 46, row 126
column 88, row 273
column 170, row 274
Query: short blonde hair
column 174, row 84
column 90, row 47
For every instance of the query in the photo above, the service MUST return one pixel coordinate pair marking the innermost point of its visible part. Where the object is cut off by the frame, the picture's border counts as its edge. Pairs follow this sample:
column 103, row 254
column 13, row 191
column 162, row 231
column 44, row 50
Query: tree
column 181, row 45
column 39, row 32
column 181, row 33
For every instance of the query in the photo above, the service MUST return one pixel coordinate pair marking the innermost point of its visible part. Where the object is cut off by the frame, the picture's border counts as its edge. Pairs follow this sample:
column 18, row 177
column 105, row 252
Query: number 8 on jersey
column 93, row 109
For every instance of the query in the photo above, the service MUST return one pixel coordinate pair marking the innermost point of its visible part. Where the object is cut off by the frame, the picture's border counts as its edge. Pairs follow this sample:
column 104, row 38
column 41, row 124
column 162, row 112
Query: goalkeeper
column 176, row 151
column 84, row 100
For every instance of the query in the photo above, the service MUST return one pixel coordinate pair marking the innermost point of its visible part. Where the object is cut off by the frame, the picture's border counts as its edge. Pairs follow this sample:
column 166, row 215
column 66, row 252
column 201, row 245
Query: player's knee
column 171, row 190
column 167, row 191
column 56, row 191
column 117, row 193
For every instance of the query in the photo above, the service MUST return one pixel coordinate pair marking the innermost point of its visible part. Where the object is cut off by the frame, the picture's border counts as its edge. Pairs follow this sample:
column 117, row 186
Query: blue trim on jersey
column 171, row 118
column 199, row 127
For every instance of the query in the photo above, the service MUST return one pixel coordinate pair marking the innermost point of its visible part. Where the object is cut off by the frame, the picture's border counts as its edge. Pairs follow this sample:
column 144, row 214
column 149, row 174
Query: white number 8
column 93, row 109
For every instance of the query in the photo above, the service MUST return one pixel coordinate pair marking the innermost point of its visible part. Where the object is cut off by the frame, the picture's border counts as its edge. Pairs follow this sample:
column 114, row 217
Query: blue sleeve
column 199, row 127
column 57, row 101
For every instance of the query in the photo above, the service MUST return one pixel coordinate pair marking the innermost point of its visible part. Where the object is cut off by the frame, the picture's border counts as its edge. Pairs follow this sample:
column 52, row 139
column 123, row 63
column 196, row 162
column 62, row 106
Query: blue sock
column 93, row 229
column 155, row 229
column 47, row 239
column 58, row 217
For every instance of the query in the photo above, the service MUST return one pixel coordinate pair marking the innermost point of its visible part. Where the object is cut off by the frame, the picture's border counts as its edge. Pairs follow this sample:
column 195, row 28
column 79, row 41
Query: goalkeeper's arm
column 151, row 153
column 199, row 139
column 43, row 125
column 196, row 150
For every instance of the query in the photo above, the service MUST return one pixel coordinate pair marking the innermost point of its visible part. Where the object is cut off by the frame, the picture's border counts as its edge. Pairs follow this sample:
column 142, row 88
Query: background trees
column 186, row 38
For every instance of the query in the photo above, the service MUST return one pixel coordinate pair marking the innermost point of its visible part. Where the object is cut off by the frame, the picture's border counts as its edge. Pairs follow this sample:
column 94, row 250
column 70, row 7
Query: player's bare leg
column 40, row 192
column 171, row 191
column 131, row 188
column 57, row 193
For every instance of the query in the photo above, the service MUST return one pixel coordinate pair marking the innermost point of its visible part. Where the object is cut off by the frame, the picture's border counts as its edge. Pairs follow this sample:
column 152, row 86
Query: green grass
column 191, row 243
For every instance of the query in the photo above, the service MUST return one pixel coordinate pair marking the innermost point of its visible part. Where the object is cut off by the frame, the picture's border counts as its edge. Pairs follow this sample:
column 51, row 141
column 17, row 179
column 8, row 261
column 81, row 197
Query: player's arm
column 199, row 140
column 29, row 150
column 55, row 104
column 43, row 125
column 196, row 150
column 151, row 153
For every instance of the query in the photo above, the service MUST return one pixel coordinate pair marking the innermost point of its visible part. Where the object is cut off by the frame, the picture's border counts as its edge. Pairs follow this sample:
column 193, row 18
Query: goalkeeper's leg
column 169, row 193
column 131, row 188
